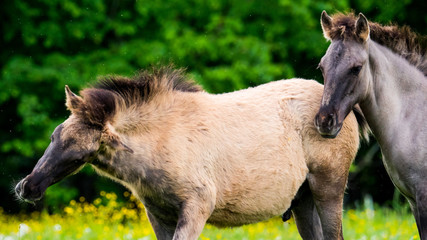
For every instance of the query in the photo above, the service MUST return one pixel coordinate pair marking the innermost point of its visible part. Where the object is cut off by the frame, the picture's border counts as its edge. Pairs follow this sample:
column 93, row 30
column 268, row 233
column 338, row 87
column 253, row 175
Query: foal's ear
column 362, row 28
column 73, row 102
column 326, row 22
column 112, row 139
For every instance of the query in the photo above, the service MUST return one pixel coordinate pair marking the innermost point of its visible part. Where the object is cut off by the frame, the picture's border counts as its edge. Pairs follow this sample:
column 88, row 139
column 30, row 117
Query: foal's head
column 88, row 134
column 74, row 143
column 344, row 68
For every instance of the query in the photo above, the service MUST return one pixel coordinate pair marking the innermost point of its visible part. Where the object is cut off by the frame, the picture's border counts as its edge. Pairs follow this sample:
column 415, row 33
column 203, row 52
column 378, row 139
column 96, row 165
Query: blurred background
column 225, row 45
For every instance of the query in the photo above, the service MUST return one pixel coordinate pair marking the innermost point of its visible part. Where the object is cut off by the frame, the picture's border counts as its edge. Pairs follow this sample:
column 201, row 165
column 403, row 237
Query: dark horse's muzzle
column 327, row 124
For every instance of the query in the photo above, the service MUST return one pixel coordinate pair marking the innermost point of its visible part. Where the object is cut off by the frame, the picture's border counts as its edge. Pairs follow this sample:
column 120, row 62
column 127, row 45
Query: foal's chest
column 165, row 211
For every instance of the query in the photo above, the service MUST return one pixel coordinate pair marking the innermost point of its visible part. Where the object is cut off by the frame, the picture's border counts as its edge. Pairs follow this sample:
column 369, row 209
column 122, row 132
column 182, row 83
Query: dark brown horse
column 193, row 157
column 383, row 69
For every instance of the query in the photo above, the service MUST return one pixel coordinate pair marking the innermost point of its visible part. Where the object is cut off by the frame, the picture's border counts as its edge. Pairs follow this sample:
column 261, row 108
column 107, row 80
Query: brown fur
column 100, row 102
column 401, row 40
column 194, row 158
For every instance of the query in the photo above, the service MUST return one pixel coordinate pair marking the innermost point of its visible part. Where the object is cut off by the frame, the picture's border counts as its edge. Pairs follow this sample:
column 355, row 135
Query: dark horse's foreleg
column 305, row 214
column 420, row 212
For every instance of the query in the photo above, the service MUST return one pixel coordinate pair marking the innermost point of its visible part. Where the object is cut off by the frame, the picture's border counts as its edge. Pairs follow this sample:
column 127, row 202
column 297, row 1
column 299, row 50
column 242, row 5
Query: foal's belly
column 260, row 198
column 228, row 218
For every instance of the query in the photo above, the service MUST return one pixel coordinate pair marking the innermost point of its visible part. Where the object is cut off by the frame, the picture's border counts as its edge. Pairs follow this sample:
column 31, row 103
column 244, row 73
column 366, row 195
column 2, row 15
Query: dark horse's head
column 74, row 143
column 344, row 68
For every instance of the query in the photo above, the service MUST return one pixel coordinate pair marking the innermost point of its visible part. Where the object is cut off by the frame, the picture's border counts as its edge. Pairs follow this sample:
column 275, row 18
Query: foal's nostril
column 19, row 188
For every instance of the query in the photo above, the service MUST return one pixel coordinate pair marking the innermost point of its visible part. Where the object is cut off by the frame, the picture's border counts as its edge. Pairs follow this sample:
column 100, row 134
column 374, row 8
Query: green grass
column 106, row 218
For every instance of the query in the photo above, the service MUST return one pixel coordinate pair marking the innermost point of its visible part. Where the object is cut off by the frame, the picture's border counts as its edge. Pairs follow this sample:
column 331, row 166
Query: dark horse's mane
column 101, row 100
column 401, row 40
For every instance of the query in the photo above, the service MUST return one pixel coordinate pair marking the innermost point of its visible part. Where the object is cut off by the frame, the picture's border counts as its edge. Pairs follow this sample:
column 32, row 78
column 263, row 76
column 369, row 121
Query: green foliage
column 59, row 195
column 225, row 45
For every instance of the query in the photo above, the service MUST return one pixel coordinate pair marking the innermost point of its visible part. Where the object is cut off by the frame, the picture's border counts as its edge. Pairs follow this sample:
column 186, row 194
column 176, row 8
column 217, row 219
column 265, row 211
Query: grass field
column 105, row 218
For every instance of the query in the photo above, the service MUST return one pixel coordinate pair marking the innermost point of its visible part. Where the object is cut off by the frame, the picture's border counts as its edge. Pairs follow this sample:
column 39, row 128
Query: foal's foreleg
column 192, row 219
column 162, row 230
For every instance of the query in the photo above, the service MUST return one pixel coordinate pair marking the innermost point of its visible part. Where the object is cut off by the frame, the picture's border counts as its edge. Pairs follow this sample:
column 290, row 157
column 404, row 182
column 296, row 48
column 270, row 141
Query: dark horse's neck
column 397, row 90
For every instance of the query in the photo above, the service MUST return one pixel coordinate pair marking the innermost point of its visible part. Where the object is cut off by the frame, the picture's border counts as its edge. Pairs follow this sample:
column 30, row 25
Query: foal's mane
column 147, row 83
column 102, row 100
column 401, row 40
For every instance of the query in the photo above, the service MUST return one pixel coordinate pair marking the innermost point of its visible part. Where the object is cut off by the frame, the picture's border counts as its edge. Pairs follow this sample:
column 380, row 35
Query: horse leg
column 420, row 212
column 192, row 219
column 328, row 194
column 162, row 231
column 305, row 214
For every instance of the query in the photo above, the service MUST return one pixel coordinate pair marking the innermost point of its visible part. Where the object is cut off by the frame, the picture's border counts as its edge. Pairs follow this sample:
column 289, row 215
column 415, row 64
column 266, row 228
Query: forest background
column 225, row 45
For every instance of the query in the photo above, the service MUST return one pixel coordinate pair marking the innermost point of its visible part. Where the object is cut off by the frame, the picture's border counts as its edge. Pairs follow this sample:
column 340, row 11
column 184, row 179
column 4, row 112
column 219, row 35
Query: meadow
column 106, row 218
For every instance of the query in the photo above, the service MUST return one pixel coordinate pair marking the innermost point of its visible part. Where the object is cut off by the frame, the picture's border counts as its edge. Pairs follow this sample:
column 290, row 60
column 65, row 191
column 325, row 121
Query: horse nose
column 19, row 187
column 330, row 121
column 325, row 122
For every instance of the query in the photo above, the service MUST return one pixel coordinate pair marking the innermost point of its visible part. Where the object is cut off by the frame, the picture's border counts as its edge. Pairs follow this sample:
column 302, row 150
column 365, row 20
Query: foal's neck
column 397, row 89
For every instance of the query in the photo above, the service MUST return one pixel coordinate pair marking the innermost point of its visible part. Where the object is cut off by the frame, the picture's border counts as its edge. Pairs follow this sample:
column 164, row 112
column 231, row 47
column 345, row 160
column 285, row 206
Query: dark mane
column 148, row 83
column 101, row 100
column 401, row 40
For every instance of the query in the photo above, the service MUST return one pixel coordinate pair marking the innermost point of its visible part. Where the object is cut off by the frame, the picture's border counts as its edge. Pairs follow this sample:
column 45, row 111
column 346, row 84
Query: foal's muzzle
column 27, row 189
column 327, row 124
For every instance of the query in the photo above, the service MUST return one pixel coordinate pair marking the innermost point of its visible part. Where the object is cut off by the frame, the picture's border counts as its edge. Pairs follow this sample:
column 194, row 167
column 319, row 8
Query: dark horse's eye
column 355, row 70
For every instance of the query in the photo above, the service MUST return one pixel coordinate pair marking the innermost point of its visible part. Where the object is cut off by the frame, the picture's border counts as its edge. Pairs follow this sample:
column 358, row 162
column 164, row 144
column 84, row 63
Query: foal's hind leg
column 305, row 214
column 328, row 194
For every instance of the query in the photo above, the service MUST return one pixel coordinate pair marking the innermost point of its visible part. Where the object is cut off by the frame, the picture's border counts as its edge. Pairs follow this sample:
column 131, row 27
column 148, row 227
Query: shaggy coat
column 193, row 158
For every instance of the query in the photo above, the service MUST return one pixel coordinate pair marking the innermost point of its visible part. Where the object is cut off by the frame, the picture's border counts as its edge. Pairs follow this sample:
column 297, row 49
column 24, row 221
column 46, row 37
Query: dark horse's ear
column 73, row 102
column 326, row 22
column 362, row 28
column 112, row 139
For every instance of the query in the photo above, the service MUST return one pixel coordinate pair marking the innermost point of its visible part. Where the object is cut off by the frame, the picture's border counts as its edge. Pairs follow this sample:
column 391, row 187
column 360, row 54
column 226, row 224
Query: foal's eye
column 355, row 70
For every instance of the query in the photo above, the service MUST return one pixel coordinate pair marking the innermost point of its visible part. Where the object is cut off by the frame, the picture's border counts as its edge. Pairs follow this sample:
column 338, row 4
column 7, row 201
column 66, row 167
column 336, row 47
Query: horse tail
column 364, row 128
